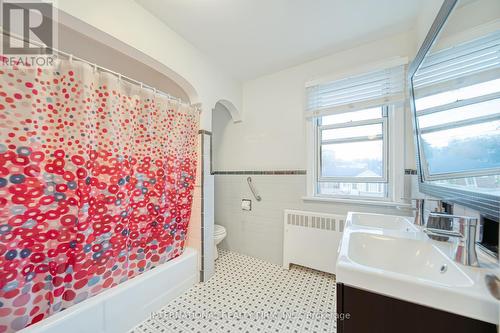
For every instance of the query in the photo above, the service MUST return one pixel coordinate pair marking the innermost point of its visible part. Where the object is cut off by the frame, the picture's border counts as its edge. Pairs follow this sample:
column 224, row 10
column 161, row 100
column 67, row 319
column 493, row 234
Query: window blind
column 358, row 92
column 462, row 65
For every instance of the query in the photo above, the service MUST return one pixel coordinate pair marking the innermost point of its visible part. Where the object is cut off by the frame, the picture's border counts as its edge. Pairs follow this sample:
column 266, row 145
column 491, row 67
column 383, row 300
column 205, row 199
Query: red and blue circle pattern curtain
column 96, row 184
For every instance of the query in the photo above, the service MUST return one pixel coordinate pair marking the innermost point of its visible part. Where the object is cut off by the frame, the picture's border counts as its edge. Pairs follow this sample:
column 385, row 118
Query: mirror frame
column 486, row 204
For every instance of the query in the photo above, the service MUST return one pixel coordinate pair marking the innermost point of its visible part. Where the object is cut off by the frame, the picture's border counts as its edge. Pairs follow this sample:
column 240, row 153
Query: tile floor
column 250, row 295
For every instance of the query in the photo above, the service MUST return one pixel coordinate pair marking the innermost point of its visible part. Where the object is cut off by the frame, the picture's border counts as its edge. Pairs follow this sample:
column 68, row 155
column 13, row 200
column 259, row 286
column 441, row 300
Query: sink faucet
column 461, row 227
column 419, row 209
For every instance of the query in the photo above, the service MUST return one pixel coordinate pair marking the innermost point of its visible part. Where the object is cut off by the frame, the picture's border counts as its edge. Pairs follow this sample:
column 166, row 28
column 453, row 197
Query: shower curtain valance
column 96, row 184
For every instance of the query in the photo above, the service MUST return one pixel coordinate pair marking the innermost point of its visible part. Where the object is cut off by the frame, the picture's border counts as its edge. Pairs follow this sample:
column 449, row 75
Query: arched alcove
column 224, row 116
column 226, row 105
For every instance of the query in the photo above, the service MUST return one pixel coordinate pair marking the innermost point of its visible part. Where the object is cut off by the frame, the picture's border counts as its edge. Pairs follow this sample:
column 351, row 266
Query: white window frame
column 457, row 124
column 385, row 154
column 458, row 63
column 395, row 149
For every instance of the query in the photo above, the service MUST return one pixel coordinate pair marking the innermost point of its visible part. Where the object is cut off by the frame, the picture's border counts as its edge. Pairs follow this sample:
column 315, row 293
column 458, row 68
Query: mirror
column 455, row 97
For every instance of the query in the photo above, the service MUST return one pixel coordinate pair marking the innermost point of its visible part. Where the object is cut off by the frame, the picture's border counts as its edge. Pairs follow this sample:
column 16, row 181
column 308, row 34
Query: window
column 460, row 136
column 352, row 153
column 457, row 110
column 352, row 122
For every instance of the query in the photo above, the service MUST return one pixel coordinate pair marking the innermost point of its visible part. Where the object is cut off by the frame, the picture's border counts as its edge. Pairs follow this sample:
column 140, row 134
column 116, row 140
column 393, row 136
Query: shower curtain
column 96, row 183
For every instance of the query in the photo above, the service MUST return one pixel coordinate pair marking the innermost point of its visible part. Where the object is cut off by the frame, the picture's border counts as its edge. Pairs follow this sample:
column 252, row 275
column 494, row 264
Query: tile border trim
column 209, row 133
column 261, row 172
column 279, row 172
column 202, row 210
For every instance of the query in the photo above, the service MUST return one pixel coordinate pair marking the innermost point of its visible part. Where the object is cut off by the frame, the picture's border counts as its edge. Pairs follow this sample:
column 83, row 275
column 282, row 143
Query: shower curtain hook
column 119, row 77
column 70, row 58
column 95, row 67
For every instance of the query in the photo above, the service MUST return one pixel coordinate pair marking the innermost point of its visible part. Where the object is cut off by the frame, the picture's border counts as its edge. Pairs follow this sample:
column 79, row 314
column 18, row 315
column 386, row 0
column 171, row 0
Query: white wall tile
column 208, row 213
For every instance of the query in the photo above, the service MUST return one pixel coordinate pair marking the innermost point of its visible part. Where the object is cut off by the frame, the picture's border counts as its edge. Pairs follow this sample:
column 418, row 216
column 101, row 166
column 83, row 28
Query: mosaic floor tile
column 249, row 295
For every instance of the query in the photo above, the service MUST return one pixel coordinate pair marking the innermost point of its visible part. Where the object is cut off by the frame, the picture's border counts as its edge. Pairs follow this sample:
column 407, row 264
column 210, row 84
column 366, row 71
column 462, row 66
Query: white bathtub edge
column 124, row 306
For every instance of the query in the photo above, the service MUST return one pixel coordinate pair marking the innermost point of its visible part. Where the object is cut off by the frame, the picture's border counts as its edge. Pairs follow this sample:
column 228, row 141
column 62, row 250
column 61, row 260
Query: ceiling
column 251, row 38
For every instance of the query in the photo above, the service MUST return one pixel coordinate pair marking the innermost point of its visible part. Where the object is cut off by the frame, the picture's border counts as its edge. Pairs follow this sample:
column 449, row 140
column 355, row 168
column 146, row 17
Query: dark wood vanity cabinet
column 360, row 311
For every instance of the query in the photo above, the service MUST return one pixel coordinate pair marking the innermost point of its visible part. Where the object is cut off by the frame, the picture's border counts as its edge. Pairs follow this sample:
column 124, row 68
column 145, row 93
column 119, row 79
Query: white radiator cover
column 312, row 239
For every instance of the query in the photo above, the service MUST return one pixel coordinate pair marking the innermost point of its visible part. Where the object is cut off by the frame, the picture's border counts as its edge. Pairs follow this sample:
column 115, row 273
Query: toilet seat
column 219, row 235
column 219, row 230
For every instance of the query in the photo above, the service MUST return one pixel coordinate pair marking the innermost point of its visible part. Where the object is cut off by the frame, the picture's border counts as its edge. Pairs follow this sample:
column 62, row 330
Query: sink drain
column 443, row 268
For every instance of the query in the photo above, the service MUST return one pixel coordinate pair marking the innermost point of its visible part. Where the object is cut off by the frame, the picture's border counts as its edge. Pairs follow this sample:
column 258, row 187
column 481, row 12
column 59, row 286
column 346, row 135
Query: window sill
column 358, row 202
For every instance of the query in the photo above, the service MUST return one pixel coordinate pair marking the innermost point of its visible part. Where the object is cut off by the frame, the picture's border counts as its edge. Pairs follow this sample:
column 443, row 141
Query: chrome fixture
column 419, row 209
column 419, row 212
column 493, row 285
column 252, row 188
column 440, row 223
column 461, row 227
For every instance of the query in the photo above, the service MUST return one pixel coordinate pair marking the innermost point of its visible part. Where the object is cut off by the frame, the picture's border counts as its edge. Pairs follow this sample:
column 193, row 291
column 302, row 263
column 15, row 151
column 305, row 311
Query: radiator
column 312, row 239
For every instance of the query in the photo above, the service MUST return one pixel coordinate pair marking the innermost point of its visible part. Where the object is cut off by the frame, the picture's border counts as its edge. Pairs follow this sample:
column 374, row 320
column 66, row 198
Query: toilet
column 219, row 235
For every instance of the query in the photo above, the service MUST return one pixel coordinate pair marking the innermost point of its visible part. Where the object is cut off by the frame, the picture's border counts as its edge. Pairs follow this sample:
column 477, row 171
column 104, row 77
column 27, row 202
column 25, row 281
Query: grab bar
column 252, row 188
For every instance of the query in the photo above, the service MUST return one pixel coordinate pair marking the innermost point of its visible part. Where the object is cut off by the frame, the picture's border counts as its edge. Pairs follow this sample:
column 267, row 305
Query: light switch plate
column 246, row 204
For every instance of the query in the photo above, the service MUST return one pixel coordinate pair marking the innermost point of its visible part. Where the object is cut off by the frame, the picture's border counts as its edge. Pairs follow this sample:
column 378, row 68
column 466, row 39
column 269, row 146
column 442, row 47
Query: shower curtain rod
column 96, row 66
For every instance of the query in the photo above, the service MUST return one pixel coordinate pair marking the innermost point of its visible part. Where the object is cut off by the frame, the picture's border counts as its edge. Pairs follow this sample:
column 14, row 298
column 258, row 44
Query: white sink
column 409, row 257
column 391, row 256
column 390, row 222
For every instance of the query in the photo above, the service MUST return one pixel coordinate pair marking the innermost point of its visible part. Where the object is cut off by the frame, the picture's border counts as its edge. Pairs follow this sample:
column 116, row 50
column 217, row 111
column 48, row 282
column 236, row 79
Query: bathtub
column 120, row 308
